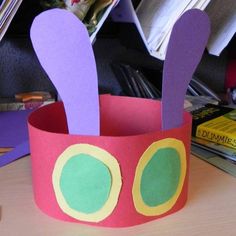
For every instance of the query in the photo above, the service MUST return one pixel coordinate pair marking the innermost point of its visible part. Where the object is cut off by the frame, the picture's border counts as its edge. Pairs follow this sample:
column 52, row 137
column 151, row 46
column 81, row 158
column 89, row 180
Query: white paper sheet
column 223, row 24
column 157, row 16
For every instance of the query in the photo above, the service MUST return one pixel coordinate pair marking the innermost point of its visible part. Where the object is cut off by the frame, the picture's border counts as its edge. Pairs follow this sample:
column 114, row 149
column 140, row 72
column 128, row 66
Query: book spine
column 15, row 106
column 216, row 136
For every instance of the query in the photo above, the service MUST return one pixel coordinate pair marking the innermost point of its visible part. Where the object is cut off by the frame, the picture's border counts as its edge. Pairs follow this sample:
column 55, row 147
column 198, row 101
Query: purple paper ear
column 186, row 45
column 63, row 47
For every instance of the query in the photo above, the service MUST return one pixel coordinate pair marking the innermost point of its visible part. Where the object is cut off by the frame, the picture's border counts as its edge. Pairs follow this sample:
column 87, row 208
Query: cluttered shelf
column 18, row 53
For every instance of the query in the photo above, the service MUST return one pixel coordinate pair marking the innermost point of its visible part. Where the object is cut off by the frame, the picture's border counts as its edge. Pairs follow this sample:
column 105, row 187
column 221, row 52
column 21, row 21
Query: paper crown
column 109, row 160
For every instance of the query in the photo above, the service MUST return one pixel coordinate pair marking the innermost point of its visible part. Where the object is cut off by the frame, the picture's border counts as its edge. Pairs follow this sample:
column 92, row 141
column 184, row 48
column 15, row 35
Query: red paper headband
column 119, row 161
column 140, row 173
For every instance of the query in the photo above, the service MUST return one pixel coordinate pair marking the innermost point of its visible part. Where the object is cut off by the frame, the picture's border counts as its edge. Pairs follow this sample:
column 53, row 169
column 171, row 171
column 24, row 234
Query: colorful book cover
column 216, row 124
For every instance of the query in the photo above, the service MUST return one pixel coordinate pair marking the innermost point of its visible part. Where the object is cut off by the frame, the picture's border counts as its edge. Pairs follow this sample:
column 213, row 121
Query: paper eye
column 159, row 177
column 87, row 182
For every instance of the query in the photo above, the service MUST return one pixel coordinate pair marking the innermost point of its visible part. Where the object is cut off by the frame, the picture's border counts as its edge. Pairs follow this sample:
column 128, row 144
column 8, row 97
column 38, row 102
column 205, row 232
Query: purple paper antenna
column 186, row 45
column 63, row 47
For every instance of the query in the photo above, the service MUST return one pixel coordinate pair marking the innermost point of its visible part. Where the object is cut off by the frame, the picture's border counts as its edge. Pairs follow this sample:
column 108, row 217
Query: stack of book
column 214, row 136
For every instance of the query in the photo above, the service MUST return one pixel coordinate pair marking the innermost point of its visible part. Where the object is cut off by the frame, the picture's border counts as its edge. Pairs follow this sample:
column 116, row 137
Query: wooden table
column 210, row 210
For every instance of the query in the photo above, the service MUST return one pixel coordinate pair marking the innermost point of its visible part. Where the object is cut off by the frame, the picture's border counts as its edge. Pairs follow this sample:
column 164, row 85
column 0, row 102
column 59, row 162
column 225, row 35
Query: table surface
column 210, row 210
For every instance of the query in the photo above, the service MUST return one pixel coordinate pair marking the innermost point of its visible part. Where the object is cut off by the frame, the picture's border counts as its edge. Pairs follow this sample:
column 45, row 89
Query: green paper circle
column 160, row 177
column 85, row 183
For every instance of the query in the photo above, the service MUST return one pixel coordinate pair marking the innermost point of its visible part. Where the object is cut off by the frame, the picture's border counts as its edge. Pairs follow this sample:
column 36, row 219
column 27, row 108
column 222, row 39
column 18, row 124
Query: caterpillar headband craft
column 109, row 160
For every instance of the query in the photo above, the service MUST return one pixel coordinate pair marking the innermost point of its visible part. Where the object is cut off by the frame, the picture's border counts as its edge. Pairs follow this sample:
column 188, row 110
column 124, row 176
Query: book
column 154, row 21
column 133, row 82
column 8, row 9
column 26, row 101
column 218, row 149
column 224, row 164
column 12, row 105
column 216, row 124
column 92, row 13
column 222, row 15
column 97, row 12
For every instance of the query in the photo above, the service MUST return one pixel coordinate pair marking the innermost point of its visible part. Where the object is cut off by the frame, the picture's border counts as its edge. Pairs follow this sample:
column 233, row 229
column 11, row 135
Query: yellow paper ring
column 139, row 204
column 109, row 161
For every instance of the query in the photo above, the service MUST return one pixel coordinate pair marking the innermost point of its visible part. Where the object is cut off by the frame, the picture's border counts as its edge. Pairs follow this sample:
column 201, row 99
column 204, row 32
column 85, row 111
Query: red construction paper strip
column 139, row 126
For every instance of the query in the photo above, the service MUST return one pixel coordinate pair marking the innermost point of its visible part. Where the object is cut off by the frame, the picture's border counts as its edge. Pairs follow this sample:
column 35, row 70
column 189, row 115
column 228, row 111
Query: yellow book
column 216, row 124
